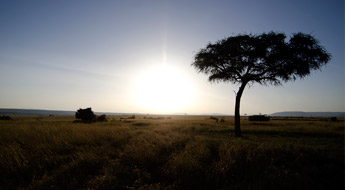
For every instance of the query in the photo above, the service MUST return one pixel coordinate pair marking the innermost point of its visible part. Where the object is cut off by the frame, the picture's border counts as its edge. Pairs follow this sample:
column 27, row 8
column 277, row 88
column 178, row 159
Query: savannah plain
column 171, row 152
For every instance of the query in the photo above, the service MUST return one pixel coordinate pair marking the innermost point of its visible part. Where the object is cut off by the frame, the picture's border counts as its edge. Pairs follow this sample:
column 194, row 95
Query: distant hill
column 308, row 114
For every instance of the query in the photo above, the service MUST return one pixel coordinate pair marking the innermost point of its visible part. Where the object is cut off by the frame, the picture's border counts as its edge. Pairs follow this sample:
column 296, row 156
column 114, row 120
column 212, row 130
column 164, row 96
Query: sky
column 135, row 56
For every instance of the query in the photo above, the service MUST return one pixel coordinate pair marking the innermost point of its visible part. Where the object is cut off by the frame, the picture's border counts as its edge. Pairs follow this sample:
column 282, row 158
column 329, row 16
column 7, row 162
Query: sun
column 163, row 89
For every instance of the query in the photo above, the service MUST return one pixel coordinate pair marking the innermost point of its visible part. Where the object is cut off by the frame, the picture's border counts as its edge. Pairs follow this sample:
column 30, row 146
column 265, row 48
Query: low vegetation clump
column 87, row 116
column 258, row 118
column 184, row 152
column 5, row 117
column 131, row 117
column 102, row 118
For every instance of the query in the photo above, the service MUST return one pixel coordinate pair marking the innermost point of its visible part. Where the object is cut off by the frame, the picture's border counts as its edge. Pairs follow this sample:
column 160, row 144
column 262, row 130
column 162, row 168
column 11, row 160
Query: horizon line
column 176, row 113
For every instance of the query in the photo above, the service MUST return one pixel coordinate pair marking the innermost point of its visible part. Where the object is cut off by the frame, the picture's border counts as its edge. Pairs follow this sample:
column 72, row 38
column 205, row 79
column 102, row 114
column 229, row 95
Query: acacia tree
column 265, row 59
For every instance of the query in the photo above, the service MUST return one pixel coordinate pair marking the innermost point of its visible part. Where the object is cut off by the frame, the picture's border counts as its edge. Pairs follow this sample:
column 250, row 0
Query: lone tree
column 265, row 59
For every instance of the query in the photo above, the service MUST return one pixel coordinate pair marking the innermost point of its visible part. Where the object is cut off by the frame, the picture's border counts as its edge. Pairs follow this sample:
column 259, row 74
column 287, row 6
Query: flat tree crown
column 265, row 58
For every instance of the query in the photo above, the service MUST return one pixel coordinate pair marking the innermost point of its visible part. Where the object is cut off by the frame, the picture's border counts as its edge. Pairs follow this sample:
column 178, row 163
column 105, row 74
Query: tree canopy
column 267, row 58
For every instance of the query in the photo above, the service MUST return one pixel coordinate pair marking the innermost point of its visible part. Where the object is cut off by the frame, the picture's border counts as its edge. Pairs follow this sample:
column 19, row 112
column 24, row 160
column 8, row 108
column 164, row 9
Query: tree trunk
column 238, row 132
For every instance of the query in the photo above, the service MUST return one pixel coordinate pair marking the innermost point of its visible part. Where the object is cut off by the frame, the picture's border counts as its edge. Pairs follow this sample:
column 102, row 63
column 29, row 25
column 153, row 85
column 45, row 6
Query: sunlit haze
column 135, row 56
column 162, row 88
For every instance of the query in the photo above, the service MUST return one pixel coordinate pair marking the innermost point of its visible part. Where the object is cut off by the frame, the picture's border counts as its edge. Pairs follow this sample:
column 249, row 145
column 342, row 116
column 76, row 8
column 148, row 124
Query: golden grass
column 183, row 152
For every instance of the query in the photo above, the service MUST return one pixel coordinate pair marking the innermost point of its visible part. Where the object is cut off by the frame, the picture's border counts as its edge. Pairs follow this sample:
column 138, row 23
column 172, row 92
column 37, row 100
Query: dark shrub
column 214, row 118
column 102, row 118
column 131, row 117
column 334, row 119
column 5, row 117
column 258, row 118
column 85, row 115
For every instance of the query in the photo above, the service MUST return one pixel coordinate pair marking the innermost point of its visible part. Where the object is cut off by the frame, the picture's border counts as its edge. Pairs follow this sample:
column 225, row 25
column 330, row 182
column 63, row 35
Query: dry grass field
column 174, row 152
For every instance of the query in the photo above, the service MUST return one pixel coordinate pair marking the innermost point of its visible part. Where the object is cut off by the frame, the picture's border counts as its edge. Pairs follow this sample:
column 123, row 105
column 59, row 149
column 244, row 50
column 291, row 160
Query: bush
column 102, row 118
column 131, row 117
column 85, row 115
column 334, row 119
column 214, row 118
column 5, row 117
column 259, row 118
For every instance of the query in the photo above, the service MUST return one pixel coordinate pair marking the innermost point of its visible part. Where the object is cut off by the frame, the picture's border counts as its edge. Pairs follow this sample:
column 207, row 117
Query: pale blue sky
column 67, row 55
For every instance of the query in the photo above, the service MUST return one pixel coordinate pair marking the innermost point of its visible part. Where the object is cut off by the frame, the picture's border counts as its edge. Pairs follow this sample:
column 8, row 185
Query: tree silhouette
column 265, row 59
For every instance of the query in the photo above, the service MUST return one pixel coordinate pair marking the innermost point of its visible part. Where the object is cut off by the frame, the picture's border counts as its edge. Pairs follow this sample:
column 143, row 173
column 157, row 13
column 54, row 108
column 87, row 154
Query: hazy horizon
column 135, row 56
column 277, row 113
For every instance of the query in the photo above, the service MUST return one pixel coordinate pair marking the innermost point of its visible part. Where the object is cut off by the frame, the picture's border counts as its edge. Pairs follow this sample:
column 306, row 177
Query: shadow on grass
column 292, row 134
column 272, row 133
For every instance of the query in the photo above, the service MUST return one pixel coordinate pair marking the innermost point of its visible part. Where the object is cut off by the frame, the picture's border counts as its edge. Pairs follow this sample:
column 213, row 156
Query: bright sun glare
column 163, row 89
